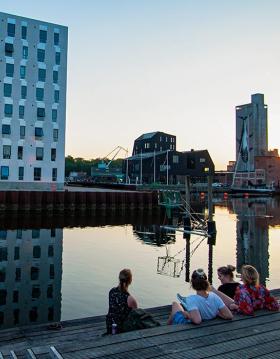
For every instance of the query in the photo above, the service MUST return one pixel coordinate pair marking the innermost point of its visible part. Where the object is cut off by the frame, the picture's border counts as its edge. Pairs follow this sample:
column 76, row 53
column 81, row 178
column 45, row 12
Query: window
column 56, row 96
column 18, row 275
column 55, row 77
column 33, row 315
column 15, row 296
column 57, row 58
column 25, row 52
column 39, row 153
column 20, row 152
column 53, row 154
column 7, row 90
column 6, row 151
column 40, row 113
column 2, row 275
column 16, row 253
column 39, row 132
column 40, row 55
column 22, row 72
column 20, row 173
column 4, row 172
column 34, row 273
column 8, row 110
column 3, row 295
column 50, row 314
column 3, row 254
column 9, row 49
column 6, row 129
column 39, row 94
column 24, row 32
column 36, row 292
column 175, row 159
column 37, row 174
column 55, row 135
column 51, row 271
column 21, row 111
column 43, row 36
column 53, row 233
column 10, row 70
column 54, row 115
column 19, row 234
column 11, row 29
column 16, row 316
column 56, row 38
column 22, row 132
column 50, row 251
column 202, row 160
column 50, row 291
column 42, row 75
column 191, row 163
column 35, row 233
column 36, row 252
column 54, row 174
column 23, row 92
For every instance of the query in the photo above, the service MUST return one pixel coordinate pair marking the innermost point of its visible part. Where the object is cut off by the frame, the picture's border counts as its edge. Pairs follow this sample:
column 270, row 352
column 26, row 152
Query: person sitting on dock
column 120, row 303
column 203, row 305
column 251, row 295
column 226, row 276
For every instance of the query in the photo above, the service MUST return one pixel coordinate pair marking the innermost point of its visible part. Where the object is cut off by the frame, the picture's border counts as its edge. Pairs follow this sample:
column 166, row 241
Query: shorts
column 179, row 318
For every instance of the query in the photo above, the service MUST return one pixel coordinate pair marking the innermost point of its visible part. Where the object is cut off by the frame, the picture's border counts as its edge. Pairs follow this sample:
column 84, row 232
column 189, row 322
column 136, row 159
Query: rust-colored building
column 271, row 164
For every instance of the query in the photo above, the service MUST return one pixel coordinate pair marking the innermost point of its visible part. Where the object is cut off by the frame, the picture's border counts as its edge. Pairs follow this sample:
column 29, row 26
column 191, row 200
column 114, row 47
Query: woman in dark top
column 228, row 286
column 120, row 302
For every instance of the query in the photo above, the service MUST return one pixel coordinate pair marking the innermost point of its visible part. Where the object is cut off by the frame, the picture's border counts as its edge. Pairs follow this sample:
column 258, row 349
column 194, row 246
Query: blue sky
column 175, row 66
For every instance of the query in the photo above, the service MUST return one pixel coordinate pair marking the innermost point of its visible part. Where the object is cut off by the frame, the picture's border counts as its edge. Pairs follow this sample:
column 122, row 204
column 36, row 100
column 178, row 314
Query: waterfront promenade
column 243, row 337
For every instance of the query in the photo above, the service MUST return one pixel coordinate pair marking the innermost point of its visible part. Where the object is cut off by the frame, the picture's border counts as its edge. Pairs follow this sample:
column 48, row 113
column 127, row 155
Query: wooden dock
column 243, row 337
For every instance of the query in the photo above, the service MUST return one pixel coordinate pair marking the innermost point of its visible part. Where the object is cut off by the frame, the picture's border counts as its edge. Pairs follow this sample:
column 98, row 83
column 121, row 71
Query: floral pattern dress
column 250, row 298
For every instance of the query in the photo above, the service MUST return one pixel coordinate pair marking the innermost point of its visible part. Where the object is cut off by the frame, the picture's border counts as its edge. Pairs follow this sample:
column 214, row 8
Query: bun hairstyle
column 199, row 280
column 125, row 278
column 227, row 270
column 250, row 275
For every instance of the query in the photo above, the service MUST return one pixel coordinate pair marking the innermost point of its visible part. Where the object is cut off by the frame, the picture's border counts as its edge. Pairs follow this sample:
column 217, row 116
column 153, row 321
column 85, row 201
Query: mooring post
column 211, row 228
column 187, row 227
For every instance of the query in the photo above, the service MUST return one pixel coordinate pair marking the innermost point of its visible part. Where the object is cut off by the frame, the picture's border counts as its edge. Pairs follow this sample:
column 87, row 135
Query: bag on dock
column 139, row 319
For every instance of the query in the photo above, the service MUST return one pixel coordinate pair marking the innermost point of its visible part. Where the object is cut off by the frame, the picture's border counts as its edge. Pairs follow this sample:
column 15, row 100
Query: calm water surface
column 65, row 273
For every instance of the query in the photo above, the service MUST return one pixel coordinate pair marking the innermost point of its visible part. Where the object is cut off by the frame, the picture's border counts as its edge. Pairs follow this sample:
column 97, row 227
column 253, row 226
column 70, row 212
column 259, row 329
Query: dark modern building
column 155, row 159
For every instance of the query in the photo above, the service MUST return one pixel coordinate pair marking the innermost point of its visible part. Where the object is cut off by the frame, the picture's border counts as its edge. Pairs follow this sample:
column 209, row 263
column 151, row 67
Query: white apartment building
column 33, row 72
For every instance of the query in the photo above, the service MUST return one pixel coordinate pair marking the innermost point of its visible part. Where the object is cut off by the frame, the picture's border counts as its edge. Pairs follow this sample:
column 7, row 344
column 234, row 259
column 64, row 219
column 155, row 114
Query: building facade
column 33, row 71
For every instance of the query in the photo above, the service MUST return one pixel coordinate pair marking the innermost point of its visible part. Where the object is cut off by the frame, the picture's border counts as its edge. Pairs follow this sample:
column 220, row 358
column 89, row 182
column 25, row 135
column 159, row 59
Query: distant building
column 155, row 159
column 33, row 72
column 271, row 167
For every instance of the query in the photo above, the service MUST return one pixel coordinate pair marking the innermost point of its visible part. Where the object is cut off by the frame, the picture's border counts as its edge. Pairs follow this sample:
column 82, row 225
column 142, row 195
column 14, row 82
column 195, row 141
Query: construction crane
column 104, row 164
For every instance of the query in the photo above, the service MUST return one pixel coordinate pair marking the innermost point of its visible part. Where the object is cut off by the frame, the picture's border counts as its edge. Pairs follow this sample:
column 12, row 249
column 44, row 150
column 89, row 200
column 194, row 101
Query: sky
column 177, row 66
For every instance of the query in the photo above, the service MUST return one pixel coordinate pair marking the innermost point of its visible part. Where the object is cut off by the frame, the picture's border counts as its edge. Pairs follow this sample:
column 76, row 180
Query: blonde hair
column 250, row 275
column 125, row 278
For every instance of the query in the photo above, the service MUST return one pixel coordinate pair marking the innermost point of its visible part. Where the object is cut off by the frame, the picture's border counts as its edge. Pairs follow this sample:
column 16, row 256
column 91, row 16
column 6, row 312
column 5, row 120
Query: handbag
column 139, row 319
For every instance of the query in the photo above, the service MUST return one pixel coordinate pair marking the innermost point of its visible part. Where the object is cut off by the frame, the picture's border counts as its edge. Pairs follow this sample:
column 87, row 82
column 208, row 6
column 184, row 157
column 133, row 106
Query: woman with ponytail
column 228, row 284
column 120, row 302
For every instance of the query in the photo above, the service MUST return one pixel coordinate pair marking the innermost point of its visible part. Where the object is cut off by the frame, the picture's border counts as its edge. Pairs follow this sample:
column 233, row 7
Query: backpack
column 139, row 319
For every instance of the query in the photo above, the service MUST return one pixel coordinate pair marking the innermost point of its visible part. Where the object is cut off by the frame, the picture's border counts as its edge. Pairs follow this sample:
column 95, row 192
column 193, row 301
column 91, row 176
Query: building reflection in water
column 30, row 276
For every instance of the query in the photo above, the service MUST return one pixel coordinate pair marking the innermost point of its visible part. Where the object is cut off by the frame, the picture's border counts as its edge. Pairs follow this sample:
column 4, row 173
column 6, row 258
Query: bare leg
column 176, row 307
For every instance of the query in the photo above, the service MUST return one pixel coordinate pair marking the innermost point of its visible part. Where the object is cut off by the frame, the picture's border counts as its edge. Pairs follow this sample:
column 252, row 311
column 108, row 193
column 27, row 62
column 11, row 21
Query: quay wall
column 76, row 201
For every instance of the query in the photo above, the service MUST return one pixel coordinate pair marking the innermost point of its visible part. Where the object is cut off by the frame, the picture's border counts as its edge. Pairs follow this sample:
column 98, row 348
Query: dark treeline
column 82, row 165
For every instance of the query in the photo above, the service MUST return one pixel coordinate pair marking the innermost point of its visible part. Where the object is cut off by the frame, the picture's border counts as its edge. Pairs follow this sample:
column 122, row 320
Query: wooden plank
column 30, row 354
column 54, row 354
column 13, row 355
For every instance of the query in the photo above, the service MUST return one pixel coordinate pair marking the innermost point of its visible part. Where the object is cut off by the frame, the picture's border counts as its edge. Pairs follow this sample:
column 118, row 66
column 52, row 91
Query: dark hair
column 199, row 280
column 125, row 278
column 227, row 270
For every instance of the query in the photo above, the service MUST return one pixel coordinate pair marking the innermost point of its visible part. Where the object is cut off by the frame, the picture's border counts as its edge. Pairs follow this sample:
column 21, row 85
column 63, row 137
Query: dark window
column 1, row 317
column 50, row 313
column 40, row 55
column 52, row 232
column 23, row 32
column 25, row 52
column 55, row 135
column 22, row 132
column 43, row 36
column 41, row 112
column 19, row 233
column 56, row 96
column 35, row 233
column 50, row 291
column 57, row 58
column 22, row 71
column 4, row 172
column 55, row 77
column 39, row 94
column 11, row 29
column 16, row 254
column 15, row 296
column 18, row 274
column 191, row 163
column 20, row 173
column 54, row 174
column 3, row 234
column 51, row 271
column 16, row 316
column 56, row 38
column 21, row 111
column 20, row 152
column 37, row 174
column 36, row 292
column 42, row 75
column 36, row 252
column 39, row 153
column 6, row 151
column 7, row 90
column 39, row 132
column 9, row 49
column 53, row 154
column 50, row 251
column 8, row 110
column 10, row 70
column 3, row 295
column 23, row 92
column 2, row 275
column 54, row 115
column 3, row 254
column 34, row 273
column 6, row 129
column 33, row 314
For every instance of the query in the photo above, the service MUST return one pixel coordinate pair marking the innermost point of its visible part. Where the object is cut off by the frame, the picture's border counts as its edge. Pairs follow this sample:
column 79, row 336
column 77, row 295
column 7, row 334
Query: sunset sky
column 178, row 66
